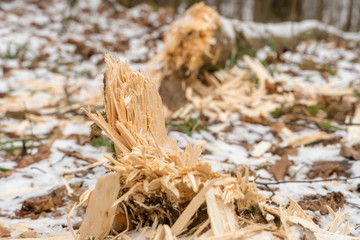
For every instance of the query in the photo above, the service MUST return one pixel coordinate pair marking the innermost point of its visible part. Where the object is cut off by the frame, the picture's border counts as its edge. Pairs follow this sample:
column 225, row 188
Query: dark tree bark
column 277, row 10
column 319, row 10
column 261, row 10
column 348, row 22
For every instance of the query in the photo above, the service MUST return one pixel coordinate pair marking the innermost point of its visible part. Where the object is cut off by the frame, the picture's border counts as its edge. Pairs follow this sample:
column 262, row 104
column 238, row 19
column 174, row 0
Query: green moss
column 101, row 142
column 313, row 110
column 330, row 71
column 189, row 127
column 357, row 93
column 278, row 112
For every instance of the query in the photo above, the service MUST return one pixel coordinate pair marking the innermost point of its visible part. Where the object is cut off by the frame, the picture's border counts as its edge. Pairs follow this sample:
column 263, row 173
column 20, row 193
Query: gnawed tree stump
column 153, row 183
column 202, row 41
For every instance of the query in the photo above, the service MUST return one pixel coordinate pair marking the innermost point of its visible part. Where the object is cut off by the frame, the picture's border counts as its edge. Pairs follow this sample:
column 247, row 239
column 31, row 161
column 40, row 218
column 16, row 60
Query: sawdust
column 153, row 171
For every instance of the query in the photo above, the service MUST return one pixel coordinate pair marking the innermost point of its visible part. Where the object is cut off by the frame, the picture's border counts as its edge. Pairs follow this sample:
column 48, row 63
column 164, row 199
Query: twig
column 307, row 181
column 98, row 163
column 77, row 155
column 38, row 169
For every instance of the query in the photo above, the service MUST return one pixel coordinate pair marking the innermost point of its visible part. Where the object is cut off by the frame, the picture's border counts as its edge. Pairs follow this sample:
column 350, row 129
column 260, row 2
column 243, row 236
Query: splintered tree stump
column 198, row 40
column 201, row 40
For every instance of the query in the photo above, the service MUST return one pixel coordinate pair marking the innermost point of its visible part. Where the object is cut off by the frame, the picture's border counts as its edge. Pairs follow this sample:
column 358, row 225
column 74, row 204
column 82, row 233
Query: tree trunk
column 261, row 10
column 348, row 22
column 320, row 10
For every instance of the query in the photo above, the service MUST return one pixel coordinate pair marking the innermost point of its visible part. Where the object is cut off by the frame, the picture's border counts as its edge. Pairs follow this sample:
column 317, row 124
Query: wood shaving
column 158, row 185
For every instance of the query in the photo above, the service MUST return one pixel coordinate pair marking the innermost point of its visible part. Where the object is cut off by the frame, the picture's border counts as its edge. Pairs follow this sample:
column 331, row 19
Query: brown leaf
column 280, row 168
column 349, row 152
column 276, row 150
column 120, row 45
column 335, row 200
column 43, row 153
column 6, row 174
column 38, row 206
column 81, row 48
column 326, row 169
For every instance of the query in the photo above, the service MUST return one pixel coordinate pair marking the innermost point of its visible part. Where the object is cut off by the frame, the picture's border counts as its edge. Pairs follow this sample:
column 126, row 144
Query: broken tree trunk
column 152, row 183
column 201, row 40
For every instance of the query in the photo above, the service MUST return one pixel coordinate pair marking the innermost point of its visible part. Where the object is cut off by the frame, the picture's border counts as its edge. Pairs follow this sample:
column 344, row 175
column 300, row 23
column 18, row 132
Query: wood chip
column 260, row 148
column 4, row 231
column 100, row 212
column 191, row 209
column 353, row 132
column 222, row 216
column 310, row 138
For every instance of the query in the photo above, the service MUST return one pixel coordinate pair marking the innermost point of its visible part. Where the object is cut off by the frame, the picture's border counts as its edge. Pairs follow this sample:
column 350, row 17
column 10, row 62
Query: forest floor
column 51, row 65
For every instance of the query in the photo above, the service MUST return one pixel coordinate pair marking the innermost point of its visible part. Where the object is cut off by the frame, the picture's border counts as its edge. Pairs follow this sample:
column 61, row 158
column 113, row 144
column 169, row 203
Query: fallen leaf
column 350, row 152
column 280, row 127
column 280, row 168
column 82, row 48
column 326, row 169
column 6, row 174
column 43, row 153
column 39, row 206
column 334, row 200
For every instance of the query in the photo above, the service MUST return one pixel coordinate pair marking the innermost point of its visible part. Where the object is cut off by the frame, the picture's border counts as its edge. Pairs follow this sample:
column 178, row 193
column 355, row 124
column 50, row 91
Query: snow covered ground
column 51, row 65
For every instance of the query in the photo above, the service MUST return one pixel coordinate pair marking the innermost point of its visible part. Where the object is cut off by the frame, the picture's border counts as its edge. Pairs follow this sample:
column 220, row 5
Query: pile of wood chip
column 164, row 192
column 190, row 41
column 195, row 41
column 190, row 81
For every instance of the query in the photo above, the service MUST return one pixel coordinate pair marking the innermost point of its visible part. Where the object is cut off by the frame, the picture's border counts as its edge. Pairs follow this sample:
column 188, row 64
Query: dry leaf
column 349, row 152
column 39, row 206
column 326, row 169
column 43, row 153
column 335, row 200
column 280, row 168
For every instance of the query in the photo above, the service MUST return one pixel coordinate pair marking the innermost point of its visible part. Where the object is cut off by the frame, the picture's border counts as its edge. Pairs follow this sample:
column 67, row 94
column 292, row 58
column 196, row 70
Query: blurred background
column 343, row 14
